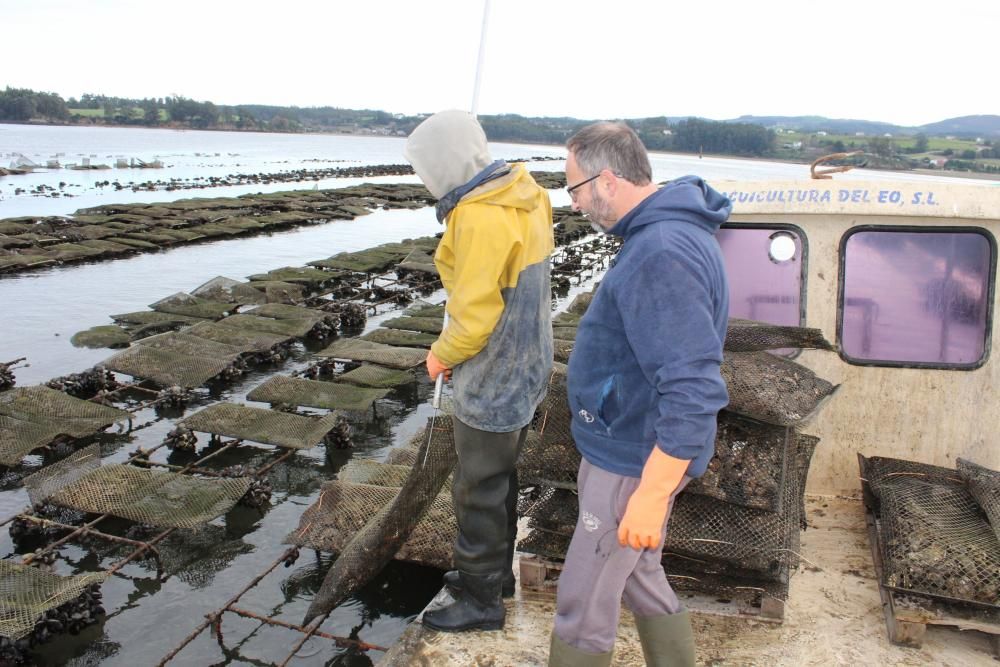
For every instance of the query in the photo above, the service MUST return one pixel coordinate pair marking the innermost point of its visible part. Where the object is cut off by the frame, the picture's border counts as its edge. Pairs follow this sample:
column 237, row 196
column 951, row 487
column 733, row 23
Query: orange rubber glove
column 435, row 367
column 642, row 525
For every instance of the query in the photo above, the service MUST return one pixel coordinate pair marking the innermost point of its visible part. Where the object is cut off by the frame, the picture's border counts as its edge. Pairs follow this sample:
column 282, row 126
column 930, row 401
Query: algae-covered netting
column 31, row 417
column 418, row 260
column 245, row 339
column 282, row 311
column 19, row 437
column 424, row 309
column 195, row 346
column 26, row 593
column 227, row 290
column 281, row 389
column 51, row 479
column 355, row 349
column 260, row 425
column 394, row 523
column 933, row 535
column 400, row 338
column 422, row 324
column 152, row 497
column 371, row 375
column 984, row 485
column 108, row 335
column 167, row 367
column 192, row 306
column 772, row 389
column 296, row 328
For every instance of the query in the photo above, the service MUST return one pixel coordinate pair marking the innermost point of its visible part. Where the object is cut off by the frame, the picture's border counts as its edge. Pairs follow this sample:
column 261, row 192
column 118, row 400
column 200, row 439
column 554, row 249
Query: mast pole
column 482, row 58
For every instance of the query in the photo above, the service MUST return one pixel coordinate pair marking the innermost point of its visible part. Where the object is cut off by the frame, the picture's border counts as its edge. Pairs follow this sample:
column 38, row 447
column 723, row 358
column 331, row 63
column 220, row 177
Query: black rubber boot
column 454, row 583
column 477, row 607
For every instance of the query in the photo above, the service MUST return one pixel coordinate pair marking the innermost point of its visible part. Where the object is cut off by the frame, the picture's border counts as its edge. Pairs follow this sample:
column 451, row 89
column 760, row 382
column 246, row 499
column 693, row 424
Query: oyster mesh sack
column 772, row 389
column 759, row 541
column 284, row 390
column 26, row 593
column 245, row 339
column 373, row 375
column 751, row 463
column 73, row 416
column 31, row 417
column 195, row 346
column 984, row 485
column 400, row 338
column 345, row 507
column 192, row 306
column 156, row 498
column 702, row 528
column 167, row 367
column 355, row 349
column 549, row 456
column 393, row 524
column 432, row 325
column 753, row 336
column 261, row 425
column 934, row 538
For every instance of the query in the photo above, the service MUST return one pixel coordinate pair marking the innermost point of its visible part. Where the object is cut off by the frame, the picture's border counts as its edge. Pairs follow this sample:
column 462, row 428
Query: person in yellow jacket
column 494, row 265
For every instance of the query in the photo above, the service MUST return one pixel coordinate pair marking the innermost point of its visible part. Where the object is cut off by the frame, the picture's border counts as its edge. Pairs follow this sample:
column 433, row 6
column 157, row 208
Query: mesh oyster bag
column 773, row 389
column 984, row 485
column 934, row 538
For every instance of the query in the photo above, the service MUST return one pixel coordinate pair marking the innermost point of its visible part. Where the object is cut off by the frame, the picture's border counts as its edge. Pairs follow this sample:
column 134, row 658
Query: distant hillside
column 964, row 126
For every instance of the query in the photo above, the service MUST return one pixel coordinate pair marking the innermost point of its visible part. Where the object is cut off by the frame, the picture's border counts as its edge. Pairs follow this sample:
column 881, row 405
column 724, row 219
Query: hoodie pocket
column 610, row 406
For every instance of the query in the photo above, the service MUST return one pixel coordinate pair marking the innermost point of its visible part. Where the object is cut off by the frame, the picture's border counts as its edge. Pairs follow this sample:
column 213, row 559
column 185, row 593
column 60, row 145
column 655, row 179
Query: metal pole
column 482, row 58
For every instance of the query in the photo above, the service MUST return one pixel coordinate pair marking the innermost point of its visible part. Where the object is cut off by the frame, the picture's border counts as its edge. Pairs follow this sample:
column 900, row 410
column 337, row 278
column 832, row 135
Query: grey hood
column 447, row 150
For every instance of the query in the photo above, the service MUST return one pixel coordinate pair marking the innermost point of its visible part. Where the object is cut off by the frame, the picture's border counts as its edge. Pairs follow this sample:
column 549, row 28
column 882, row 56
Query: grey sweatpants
column 599, row 574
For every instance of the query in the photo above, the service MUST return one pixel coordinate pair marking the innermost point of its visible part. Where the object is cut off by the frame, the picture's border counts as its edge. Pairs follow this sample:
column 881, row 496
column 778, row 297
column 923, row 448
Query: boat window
column 916, row 297
column 765, row 264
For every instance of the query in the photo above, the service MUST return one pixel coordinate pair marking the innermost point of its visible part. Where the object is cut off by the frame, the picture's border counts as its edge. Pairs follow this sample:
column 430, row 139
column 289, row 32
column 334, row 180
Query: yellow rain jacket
column 494, row 263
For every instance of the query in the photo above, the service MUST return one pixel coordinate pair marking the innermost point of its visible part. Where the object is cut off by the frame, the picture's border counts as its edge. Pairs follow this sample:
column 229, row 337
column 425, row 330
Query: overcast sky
column 881, row 60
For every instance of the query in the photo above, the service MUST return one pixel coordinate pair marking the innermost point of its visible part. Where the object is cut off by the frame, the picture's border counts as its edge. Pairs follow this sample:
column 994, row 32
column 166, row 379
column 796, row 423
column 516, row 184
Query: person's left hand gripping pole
column 646, row 512
column 437, row 371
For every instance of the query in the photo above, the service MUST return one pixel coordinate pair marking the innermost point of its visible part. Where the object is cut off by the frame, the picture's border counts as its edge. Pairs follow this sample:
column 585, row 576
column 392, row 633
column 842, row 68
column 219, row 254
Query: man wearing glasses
column 494, row 264
column 644, row 389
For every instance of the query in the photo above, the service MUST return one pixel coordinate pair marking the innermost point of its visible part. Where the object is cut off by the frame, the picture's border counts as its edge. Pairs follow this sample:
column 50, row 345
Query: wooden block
column 537, row 573
column 772, row 608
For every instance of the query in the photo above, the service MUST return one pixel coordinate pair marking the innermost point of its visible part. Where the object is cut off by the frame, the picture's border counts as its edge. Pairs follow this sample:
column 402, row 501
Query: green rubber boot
column 667, row 640
column 562, row 654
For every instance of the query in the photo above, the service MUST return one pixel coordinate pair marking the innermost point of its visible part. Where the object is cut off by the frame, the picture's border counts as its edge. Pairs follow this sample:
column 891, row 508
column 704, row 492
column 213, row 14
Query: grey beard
column 597, row 228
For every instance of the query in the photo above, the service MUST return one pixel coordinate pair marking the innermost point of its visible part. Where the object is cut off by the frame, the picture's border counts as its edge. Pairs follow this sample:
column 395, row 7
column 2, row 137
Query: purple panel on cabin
column 915, row 296
column 761, row 288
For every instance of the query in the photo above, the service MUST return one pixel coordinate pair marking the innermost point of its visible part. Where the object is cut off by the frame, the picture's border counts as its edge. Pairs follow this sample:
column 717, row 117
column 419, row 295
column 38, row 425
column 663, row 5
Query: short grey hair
column 613, row 146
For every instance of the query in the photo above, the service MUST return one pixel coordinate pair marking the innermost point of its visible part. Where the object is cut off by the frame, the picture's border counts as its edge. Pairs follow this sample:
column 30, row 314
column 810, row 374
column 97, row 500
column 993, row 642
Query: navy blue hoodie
column 645, row 364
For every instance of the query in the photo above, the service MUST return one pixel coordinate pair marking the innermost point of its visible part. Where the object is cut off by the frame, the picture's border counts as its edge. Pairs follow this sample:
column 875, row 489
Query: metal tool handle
column 439, row 381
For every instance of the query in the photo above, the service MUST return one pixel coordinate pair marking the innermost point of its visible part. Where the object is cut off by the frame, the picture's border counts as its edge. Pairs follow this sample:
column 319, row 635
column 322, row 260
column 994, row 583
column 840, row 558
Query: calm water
column 42, row 309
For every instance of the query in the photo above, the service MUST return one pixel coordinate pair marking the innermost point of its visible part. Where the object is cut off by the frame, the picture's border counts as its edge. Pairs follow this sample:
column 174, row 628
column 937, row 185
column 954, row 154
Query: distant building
column 859, row 134
column 887, row 134
column 821, row 133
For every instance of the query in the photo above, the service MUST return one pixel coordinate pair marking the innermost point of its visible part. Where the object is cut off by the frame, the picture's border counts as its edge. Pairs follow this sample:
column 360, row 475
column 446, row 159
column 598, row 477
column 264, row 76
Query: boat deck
column 833, row 616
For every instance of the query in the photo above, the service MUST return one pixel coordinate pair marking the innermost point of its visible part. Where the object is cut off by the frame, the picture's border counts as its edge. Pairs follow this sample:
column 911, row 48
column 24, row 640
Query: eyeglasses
column 571, row 191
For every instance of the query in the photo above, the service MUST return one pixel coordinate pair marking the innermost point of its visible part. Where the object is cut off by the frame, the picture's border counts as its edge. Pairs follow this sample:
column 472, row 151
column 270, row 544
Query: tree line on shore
column 689, row 135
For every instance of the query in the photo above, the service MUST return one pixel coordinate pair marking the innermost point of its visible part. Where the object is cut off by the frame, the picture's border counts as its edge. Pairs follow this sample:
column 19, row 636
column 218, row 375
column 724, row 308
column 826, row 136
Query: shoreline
column 974, row 175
